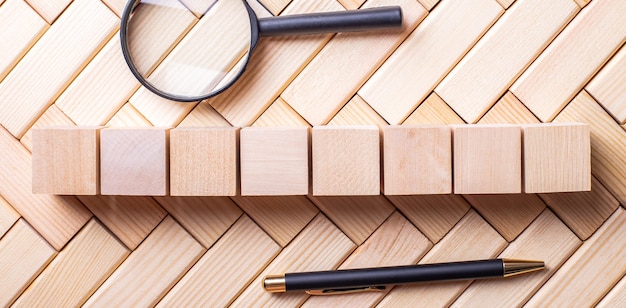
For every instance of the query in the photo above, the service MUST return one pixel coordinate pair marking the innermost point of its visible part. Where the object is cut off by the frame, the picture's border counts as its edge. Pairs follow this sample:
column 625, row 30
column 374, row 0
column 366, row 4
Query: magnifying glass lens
column 208, row 55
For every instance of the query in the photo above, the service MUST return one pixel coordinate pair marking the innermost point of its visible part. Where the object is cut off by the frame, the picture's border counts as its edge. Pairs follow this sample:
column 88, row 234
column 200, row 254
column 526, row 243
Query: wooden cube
column 417, row 160
column 66, row 160
column 346, row 160
column 487, row 159
column 557, row 157
column 134, row 161
column 203, row 161
column 274, row 161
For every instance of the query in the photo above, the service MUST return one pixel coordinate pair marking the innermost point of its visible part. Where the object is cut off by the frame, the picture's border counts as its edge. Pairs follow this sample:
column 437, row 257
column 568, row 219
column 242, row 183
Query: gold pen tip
column 274, row 283
column 518, row 267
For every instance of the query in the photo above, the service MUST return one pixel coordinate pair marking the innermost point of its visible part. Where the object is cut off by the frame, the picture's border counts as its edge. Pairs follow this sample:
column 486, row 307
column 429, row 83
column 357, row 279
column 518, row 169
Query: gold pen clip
column 346, row 291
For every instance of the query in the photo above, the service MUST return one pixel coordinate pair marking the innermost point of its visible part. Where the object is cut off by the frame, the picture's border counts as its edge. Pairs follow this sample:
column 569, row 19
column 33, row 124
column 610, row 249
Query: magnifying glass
column 212, row 51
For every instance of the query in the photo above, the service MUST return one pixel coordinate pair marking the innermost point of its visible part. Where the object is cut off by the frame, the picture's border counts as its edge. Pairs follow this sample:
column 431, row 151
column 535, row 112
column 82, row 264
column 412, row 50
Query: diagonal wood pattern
column 455, row 61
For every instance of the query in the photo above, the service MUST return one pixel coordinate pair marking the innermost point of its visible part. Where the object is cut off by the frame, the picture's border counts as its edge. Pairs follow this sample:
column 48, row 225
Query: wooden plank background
column 455, row 61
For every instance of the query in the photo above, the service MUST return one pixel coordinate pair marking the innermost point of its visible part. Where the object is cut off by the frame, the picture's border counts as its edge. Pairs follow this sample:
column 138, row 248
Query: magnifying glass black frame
column 328, row 22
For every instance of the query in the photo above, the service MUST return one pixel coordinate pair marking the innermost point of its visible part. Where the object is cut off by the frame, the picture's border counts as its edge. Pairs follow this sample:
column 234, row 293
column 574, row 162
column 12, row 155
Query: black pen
column 376, row 279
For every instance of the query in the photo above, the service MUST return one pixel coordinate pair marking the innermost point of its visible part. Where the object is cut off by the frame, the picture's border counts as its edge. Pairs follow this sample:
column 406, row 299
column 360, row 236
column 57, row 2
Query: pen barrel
column 367, row 277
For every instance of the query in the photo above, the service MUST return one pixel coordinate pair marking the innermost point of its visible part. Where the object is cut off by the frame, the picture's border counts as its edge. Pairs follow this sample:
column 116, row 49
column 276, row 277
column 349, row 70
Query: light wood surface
column 68, row 70
column 204, row 161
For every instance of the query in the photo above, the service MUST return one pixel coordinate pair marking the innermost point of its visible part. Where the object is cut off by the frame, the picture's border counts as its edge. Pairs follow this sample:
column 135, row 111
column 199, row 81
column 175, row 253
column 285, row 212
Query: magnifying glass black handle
column 331, row 22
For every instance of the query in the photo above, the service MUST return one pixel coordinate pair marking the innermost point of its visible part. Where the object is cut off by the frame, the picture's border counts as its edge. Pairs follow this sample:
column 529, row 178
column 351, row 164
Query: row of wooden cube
column 464, row 159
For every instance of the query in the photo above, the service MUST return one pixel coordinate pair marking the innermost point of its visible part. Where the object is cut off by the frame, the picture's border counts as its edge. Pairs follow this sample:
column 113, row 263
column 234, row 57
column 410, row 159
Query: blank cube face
column 346, row 160
column 134, row 161
column 487, row 159
column 203, row 161
column 557, row 158
column 274, row 161
column 65, row 160
column 417, row 160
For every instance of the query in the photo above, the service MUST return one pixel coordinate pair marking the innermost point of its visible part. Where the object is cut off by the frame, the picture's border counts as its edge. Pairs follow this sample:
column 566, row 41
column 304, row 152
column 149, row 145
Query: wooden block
column 616, row 297
column 513, row 42
column 433, row 111
column 53, row 62
column 417, row 160
column 487, row 159
column 505, row 3
column 131, row 219
column 608, row 142
column 134, row 161
column 320, row 246
column 428, row 4
column 509, row 220
column 583, row 212
column 275, row 6
column 356, row 56
column 49, row 9
column 52, row 117
column 282, row 217
column 117, row 6
column 78, row 270
column 20, row 27
column 403, row 81
column 128, row 116
column 203, row 161
column 205, row 218
column 56, row 218
column 357, row 112
column 397, row 242
column 557, row 157
column 66, row 160
column 346, row 160
column 486, row 243
column 508, row 110
column 280, row 114
column 25, row 255
column 596, row 266
column 151, row 270
column 8, row 216
column 434, row 215
column 608, row 86
column 228, row 262
column 274, row 161
column 351, row 4
column 572, row 59
column 547, row 239
column 204, row 116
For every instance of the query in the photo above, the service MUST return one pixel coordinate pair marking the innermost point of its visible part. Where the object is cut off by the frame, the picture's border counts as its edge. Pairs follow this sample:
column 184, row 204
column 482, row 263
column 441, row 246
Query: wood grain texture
column 572, row 59
column 282, row 217
column 403, row 81
column 128, row 116
column 583, row 212
column 607, row 87
column 275, row 6
column 52, row 117
column 503, row 53
column 351, row 4
column 487, row 159
column 30, row 254
column 608, row 142
column 345, row 160
column 510, row 214
column 585, row 277
column 454, row 246
column 131, row 219
column 53, row 62
column 397, row 242
column 49, row 9
column 616, row 297
column 151, row 270
column 20, row 27
column 417, row 160
column 357, row 112
column 56, row 218
column 204, row 161
column 557, row 157
column 433, row 111
column 279, row 114
column 234, row 261
column 508, row 110
column 320, row 246
column 428, row 4
column 205, row 218
column 354, row 54
column 66, row 160
column 204, row 115
column 77, row 271
column 134, row 161
column 275, row 161
column 275, row 62
column 356, row 216
column 545, row 239
column 505, row 3
column 8, row 216
column 433, row 215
